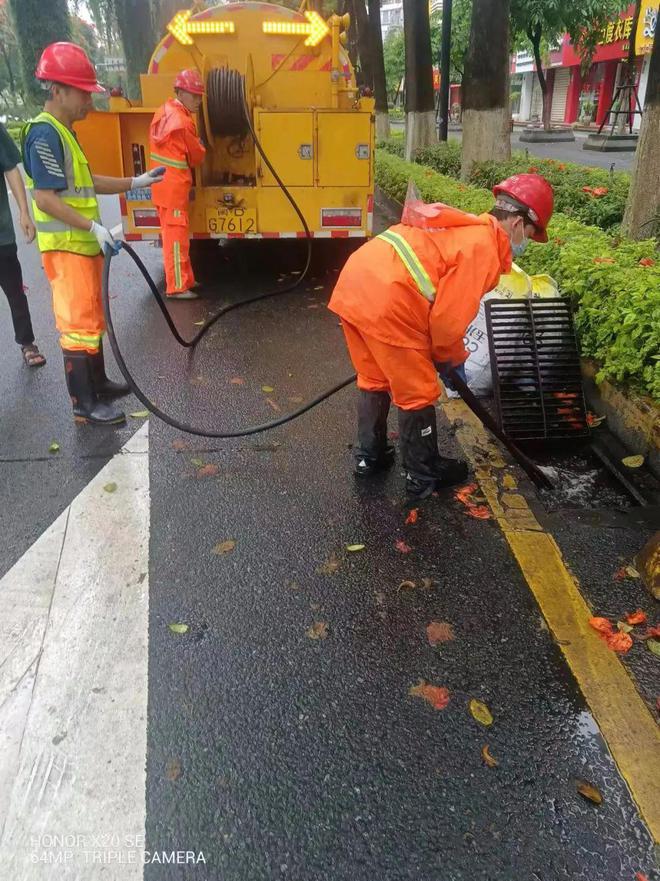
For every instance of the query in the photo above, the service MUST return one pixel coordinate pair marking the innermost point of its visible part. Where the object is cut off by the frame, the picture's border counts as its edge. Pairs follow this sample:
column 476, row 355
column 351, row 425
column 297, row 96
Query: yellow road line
column 628, row 727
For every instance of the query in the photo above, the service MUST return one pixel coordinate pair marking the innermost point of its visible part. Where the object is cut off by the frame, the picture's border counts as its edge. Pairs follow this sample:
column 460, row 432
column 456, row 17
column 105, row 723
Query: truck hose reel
column 225, row 91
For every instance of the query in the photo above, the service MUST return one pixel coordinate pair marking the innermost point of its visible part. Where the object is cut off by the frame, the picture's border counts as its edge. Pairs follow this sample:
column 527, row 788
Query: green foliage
column 36, row 27
column 616, row 298
column 394, row 55
column 574, row 185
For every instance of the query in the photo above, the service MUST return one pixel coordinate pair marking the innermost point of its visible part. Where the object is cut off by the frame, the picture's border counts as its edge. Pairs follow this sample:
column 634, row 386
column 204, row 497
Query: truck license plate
column 231, row 220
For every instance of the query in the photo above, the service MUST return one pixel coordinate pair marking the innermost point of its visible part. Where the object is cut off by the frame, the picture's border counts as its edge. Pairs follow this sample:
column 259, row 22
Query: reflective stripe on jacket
column 54, row 234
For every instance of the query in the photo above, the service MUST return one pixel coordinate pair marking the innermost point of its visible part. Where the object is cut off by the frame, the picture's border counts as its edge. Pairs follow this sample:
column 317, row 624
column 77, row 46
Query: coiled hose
column 229, row 115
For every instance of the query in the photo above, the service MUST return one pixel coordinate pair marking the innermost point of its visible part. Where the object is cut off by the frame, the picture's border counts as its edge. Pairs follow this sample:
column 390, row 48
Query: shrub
column 614, row 284
column 590, row 195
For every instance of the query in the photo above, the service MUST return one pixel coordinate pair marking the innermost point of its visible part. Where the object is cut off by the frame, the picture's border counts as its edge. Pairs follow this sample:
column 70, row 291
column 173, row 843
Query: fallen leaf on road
column 173, row 769
column 594, row 421
column 480, row 712
column 353, row 549
column 602, row 625
column 318, row 630
column 110, row 487
column 436, row 695
column 237, row 380
column 267, row 388
column 407, row 585
column 329, row 567
column 292, row 585
column 198, row 323
column 633, row 461
column 139, row 414
column 620, row 642
column 271, row 403
column 178, row 628
column 638, row 617
column 486, row 756
column 401, row 545
column 224, row 547
column 179, row 445
column 590, row 792
column 439, row 631
column 427, row 583
column 653, row 645
column 196, row 462
column 623, row 627
column 208, row 471
column 653, row 632
column 412, row 517
column 318, row 288
column 54, row 447
column 631, row 572
column 479, row 512
column 296, row 399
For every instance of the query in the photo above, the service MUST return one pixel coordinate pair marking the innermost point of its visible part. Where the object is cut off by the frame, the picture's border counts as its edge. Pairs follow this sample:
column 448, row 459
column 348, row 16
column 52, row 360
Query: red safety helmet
column 190, row 81
column 535, row 194
column 68, row 64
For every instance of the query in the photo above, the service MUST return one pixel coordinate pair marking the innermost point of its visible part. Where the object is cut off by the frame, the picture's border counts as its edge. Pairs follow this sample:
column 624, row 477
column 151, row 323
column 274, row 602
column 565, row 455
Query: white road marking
column 73, row 686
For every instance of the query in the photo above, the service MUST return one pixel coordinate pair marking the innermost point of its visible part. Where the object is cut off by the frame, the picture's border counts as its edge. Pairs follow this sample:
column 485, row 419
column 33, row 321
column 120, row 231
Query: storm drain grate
column 535, row 363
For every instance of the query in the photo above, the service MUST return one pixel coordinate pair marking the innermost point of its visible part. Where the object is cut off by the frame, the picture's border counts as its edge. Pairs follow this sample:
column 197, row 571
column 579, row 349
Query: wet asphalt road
column 281, row 756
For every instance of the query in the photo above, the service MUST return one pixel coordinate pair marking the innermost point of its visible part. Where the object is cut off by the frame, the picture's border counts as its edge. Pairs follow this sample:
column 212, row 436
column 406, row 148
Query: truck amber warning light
column 181, row 27
column 315, row 28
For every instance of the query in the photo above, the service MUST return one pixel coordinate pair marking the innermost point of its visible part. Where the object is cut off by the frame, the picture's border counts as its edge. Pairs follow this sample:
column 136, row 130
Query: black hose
column 224, row 88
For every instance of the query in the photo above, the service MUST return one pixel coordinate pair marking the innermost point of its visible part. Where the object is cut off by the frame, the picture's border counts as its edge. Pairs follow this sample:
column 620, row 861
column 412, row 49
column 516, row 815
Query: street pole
column 445, row 51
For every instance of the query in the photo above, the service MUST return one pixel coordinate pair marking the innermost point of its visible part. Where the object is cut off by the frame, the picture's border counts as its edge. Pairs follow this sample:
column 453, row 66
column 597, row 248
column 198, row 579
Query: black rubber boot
column 105, row 388
column 86, row 405
column 426, row 469
column 372, row 453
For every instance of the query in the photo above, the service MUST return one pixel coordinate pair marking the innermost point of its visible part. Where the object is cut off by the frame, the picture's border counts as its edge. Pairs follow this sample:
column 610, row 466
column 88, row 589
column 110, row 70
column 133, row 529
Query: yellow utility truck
column 289, row 70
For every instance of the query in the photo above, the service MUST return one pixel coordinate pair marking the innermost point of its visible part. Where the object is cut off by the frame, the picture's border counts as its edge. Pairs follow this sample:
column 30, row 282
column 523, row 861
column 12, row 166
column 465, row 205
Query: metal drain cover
column 535, row 363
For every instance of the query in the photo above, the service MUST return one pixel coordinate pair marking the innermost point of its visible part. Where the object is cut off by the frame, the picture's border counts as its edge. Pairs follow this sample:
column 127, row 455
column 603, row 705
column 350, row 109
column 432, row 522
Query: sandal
column 32, row 356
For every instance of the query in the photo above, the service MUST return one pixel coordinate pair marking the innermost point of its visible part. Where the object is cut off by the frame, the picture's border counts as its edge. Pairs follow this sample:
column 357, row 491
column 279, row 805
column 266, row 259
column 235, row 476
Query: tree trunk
column 36, row 27
column 445, row 66
column 642, row 216
column 380, row 82
column 138, row 39
column 163, row 12
column 364, row 43
column 352, row 47
column 10, row 72
column 486, row 113
column 420, row 111
column 535, row 39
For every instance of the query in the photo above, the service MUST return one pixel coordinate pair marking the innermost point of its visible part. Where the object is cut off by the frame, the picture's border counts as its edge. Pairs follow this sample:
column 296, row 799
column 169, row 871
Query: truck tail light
column 146, row 217
column 341, row 217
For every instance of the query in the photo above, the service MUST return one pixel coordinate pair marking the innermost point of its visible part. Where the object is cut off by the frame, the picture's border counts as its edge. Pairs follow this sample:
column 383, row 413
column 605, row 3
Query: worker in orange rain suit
column 70, row 235
column 406, row 299
column 175, row 144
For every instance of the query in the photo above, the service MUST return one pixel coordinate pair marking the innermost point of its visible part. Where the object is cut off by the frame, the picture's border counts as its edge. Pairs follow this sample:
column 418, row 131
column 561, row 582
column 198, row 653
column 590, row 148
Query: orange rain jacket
column 464, row 255
column 175, row 144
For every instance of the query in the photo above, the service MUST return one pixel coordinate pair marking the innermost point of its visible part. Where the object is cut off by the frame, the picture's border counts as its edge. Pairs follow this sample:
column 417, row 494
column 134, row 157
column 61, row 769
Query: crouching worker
column 406, row 299
column 70, row 235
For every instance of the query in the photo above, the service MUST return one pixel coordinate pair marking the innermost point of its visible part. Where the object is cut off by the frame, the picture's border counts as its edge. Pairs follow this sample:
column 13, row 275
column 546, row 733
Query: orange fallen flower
column 647, row 261
column 619, row 642
column 602, row 625
column 436, row 695
column 412, row 517
column 463, row 494
column 653, row 632
column 599, row 191
column 637, row 617
column 479, row 512
column 401, row 545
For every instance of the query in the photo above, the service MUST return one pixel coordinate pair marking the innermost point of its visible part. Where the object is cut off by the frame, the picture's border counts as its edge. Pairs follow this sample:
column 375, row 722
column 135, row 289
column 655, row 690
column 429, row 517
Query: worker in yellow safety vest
column 70, row 235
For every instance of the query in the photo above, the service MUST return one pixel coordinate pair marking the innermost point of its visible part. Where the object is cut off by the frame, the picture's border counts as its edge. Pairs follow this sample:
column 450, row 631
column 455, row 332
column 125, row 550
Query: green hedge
column 615, row 296
column 590, row 195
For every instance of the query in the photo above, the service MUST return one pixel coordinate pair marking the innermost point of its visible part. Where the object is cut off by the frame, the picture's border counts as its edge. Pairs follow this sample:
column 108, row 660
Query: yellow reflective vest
column 54, row 234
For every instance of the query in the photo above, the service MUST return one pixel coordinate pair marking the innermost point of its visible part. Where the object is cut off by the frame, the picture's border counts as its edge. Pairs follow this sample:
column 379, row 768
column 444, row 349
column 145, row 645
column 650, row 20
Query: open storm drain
column 535, row 365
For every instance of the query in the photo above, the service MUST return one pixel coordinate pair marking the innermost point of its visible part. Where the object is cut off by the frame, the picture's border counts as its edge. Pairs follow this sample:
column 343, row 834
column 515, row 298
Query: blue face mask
column 519, row 249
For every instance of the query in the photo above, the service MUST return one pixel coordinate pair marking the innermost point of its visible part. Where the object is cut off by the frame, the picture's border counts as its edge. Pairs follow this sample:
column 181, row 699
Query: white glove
column 104, row 237
column 154, row 176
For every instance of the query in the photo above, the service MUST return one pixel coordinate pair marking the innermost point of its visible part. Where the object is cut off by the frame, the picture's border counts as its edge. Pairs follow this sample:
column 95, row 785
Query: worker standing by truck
column 70, row 235
column 175, row 144
column 406, row 299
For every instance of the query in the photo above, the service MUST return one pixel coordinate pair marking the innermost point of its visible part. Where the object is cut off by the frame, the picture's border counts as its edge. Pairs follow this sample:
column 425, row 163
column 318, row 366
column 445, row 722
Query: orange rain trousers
column 409, row 375
column 75, row 281
column 179, row 275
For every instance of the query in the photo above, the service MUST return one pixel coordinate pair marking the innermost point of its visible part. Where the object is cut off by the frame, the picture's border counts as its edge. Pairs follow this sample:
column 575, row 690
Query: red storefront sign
column 613, row 42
